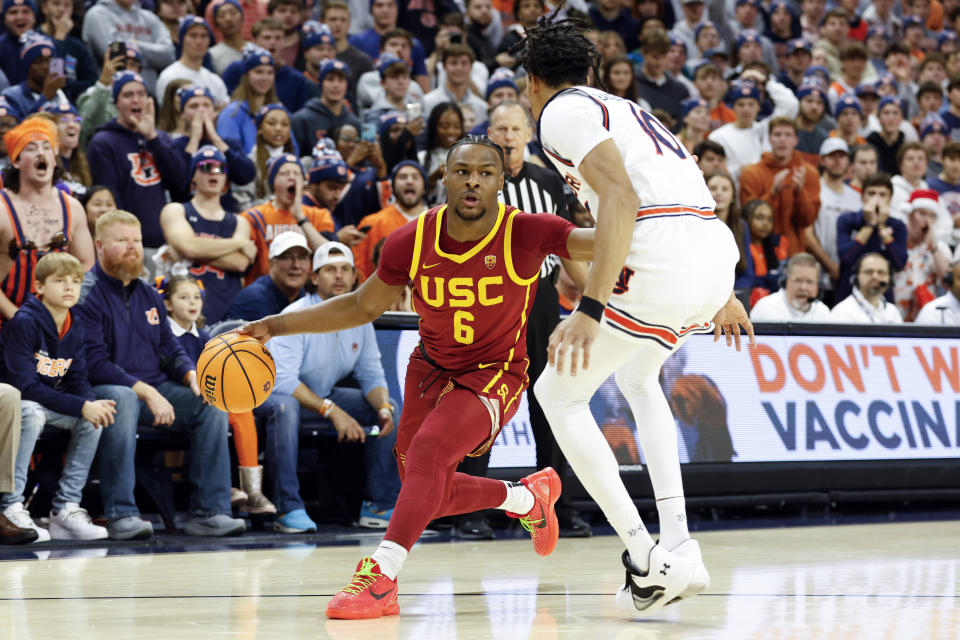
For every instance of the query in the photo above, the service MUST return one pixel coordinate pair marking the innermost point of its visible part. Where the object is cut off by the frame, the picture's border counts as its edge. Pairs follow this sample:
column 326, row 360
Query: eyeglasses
column 213, row 168
column 57, row 243
column 69, row 119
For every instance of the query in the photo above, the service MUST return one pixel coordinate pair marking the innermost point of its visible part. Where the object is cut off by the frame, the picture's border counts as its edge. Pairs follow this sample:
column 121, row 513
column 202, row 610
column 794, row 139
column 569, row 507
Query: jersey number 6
column 462, row 332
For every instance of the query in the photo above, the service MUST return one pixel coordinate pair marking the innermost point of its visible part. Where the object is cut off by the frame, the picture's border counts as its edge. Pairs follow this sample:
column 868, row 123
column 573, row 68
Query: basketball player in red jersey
column 473, row 264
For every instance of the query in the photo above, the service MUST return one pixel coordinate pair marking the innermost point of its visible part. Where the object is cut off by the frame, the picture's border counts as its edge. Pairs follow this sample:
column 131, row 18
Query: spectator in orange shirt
column 712, row 87
column 284, row 212
column 409, row 182
column 790, row 185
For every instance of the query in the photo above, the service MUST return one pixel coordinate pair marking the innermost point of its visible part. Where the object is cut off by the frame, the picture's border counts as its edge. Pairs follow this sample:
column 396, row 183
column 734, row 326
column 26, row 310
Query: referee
column 532, row 189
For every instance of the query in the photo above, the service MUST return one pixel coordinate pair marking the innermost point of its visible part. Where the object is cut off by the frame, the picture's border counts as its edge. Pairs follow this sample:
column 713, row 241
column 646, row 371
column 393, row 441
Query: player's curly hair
column 484, row 140
column 557, row 52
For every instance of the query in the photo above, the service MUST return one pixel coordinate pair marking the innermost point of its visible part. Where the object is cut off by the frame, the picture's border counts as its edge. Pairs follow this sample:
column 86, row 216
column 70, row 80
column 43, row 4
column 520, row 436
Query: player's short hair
column 57, row 264
column 110, row 218
column 557, row 52
column 782, row 121
column 802, row 259
column 265, row 24
column 951, row 150
column 911, row 146
column 483, row 140
column 879, row 179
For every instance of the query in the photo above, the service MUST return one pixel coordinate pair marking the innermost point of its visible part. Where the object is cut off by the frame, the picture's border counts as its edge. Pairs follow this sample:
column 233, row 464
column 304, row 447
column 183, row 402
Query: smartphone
column 456, row 38
column 119, row 50
column 365, row 228
column 56, row 66
column 414, row 110
column 368, row 132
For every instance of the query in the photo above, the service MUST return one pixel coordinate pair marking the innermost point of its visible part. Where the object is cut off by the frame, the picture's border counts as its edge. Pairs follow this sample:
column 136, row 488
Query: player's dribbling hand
column 347, row 428
column 257, row 330
column 729, row 320
column 575, row 335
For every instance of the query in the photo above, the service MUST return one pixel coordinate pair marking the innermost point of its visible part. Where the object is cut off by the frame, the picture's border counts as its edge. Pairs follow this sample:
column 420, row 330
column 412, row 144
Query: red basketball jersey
column 473, row 298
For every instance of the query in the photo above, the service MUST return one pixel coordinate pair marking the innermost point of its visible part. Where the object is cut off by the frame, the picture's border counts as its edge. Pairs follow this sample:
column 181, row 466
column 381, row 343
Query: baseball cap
column 286, row 241
column 831, row 145
column 322, row 257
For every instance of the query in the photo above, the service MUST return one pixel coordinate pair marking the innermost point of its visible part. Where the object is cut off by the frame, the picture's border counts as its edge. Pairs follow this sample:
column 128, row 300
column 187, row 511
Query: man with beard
column 40, row 218
column 134, row 359
column 474, row 264
column 409, row 182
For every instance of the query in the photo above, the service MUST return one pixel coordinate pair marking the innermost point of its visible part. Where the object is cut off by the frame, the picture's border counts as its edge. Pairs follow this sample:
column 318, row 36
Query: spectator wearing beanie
column 96, row 103
column 330, row 110
column 409, row 184
column 198, row 113
column 195, row 40
column 140, row 163
column 108, row 18
column 238, row 120
column 78, row 63
column 226, row 16
column 35, row 91
column 19, row 16
column 285, row 211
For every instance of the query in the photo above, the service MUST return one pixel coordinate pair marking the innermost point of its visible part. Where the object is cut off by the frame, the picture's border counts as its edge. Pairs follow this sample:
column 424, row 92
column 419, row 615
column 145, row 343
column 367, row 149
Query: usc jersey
column 474, row 298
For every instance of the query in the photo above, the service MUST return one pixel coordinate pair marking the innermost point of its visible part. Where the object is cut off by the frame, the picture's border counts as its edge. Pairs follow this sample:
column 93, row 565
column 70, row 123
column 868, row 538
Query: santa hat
column 924, row 199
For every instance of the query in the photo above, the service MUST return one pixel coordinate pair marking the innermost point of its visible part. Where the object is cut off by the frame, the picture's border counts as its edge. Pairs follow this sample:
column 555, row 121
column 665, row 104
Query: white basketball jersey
column 664, row 175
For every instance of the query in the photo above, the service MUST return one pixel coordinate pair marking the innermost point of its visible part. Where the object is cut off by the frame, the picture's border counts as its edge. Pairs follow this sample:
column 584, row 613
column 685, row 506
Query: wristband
column 326, row 407
column 387, row 406
column 591, row 308
column 303, row 221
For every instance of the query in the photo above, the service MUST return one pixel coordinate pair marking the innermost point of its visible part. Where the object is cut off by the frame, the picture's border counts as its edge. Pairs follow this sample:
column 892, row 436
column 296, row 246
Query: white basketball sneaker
column 19, row 516
column 700, row 581
column 74, row 523
column 668, row 577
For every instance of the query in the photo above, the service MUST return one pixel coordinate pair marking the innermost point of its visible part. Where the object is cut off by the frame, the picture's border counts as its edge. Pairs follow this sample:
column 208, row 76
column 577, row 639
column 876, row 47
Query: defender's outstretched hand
column 729, row 320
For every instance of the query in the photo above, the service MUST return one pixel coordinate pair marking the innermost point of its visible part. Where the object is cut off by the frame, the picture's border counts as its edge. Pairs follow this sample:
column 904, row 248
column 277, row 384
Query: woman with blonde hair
column 273, row 139
column 256, row 89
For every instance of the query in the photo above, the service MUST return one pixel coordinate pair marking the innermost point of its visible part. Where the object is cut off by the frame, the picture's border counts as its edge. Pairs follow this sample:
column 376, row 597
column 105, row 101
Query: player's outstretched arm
column 336, row 314
column 580, row 244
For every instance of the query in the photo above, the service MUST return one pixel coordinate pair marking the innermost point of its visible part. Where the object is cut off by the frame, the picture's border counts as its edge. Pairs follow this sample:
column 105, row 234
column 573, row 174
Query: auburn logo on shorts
column 143, row 169
column 490, row 261
column 153, row 316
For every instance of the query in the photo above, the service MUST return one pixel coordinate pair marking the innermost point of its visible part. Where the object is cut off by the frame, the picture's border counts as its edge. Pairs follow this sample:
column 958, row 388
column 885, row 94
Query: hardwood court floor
column 896, row 581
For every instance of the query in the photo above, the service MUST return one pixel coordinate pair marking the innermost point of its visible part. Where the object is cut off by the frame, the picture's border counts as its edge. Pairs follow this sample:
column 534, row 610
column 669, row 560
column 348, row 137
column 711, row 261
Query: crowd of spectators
column 172, row 168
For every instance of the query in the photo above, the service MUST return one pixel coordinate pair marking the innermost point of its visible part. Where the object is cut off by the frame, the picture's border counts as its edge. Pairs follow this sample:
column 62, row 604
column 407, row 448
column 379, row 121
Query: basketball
column 235, row 373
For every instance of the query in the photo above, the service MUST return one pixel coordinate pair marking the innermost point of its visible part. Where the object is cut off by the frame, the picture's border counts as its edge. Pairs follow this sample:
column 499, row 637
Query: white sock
column 519, row 499
column 673, row 522
column 390, row 556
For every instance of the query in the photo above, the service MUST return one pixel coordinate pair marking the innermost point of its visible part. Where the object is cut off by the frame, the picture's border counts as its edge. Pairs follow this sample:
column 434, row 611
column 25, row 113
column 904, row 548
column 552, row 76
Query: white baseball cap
column 322, row 257
column 286, row 241
column 831, row 145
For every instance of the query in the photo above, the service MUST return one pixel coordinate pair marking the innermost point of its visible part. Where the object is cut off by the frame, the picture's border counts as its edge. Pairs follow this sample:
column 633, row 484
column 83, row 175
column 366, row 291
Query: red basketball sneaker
column 369, row 595
column 541, row 522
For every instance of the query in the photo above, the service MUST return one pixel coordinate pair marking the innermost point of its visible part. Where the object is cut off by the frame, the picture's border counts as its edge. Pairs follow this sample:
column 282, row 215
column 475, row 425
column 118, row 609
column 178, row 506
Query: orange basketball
column 235, row 373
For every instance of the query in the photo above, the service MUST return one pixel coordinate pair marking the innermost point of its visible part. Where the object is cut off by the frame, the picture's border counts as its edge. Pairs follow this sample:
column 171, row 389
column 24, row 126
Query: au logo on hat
column 208, row 153
column 45, row 52
column 341, row 171
column 264, row 60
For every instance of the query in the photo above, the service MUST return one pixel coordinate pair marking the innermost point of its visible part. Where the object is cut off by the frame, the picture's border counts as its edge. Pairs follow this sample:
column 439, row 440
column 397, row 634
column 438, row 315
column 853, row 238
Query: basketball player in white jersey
column 663, row 270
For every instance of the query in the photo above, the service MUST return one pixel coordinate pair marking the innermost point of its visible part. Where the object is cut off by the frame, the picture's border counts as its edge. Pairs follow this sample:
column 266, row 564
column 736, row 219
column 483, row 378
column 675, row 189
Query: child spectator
column 44, row 355
column 769, row 250
column 98, row 200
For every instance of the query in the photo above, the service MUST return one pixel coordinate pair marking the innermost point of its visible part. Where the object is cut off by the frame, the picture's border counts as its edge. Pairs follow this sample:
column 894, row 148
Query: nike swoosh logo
column 380, row 596
column 645, row 597
column 486, row 366
column 540, row 524
column 430, row 266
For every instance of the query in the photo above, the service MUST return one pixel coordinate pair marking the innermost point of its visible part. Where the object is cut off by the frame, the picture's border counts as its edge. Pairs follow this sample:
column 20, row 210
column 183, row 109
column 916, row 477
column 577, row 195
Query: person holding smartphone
column 96, row 103
column 78, row 63
column 42, row 84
